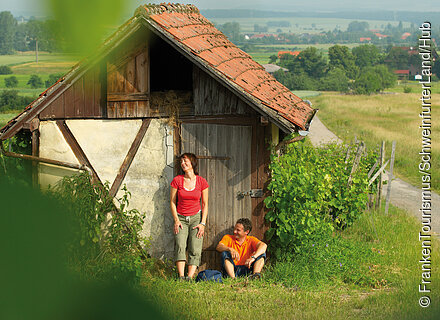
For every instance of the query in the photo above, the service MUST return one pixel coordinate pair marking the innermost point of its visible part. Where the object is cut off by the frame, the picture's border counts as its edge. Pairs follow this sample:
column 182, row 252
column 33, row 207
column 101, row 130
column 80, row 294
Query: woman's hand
column 201, row 231
column 177, row 225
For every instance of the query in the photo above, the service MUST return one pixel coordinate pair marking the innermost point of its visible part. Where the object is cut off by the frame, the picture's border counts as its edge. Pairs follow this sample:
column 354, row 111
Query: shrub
column 310, row 195
column 407, row 89
column 10, row 100
column 100, row 250
column 52, row 79
column 5, row 70
column 11, row 82
column 35, row 81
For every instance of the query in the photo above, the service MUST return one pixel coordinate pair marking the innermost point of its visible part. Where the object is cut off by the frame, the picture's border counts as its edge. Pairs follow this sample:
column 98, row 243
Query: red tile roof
column 401, row 71
column 199, row 36
column 293, row 53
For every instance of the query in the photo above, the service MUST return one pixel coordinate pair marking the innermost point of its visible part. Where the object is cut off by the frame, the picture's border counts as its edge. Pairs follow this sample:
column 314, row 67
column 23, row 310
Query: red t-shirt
column 188, row 201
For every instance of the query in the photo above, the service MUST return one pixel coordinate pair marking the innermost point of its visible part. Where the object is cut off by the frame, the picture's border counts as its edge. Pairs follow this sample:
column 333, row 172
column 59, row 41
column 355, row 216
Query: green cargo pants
column 187, row 239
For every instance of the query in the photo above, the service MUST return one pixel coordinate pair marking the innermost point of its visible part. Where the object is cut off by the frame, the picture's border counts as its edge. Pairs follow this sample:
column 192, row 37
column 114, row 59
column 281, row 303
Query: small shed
column 166, row 82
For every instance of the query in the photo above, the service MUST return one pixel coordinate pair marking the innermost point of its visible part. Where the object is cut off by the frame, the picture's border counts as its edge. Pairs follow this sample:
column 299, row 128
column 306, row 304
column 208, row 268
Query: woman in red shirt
column 189, row 216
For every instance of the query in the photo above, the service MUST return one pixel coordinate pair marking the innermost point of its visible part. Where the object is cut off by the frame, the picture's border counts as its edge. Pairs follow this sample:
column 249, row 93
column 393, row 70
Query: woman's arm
column 202, row 224
column 173, row 206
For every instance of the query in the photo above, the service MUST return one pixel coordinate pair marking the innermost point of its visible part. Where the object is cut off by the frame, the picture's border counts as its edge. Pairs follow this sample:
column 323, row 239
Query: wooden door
column 224, row 153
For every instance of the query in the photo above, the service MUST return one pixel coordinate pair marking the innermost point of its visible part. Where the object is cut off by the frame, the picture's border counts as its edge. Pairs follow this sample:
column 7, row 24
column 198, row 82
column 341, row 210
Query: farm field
column 388, row 117
column 301, row 24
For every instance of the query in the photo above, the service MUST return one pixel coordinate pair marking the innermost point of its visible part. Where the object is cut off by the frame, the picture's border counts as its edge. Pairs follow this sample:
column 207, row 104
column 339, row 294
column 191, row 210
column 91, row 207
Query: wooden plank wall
column 225, row 177
column 213, row 98
column 128, row 85
column 81, row 100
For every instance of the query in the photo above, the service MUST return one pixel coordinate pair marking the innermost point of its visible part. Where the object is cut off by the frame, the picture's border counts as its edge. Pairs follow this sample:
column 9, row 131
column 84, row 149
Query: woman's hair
column 192, row 157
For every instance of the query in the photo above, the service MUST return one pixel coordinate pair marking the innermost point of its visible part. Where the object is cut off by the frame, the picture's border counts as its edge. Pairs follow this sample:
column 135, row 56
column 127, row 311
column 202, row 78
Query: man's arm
column 260, row 249
column 221, row 247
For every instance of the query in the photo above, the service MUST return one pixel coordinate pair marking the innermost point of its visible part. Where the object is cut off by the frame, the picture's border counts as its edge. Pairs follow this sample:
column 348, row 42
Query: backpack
column 209, row 275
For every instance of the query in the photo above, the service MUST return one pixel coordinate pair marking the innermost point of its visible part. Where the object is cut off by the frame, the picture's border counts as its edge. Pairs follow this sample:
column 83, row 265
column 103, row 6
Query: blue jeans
column 240, row 271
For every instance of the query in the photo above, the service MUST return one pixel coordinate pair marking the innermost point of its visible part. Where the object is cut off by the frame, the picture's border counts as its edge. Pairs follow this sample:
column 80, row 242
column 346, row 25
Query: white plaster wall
column 148, row 181
column 106, row 143
column 53, row 146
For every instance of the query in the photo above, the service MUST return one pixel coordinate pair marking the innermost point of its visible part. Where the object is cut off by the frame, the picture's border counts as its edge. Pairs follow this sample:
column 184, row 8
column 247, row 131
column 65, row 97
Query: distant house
column 381, row 36
column 293, row 53
column 263, row 35
column 415, row 68
column 365, row 39
column 402, row 74
column 271, row 68
column 166, row 82
column 405, row 35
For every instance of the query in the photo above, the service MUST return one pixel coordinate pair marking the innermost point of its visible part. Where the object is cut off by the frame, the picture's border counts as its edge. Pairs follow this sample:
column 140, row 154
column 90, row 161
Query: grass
column 384, row 117
column 396, row 244
column 6, row 116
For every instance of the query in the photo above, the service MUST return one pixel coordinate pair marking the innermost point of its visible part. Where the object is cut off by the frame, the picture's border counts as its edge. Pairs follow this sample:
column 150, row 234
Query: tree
column 9, row 99
column 386, row 77
column 356, row 26
column 11, row 82
column 335, row 80
column 52, row 79
column 341, row 57
column 374, row 79
column 366, row 55
column 273, row 58
column 312, row 62
column 7, row 32
column 397, row 58
column 367, row 83
column 35, row 81
column 5, row 70
column 231, row 30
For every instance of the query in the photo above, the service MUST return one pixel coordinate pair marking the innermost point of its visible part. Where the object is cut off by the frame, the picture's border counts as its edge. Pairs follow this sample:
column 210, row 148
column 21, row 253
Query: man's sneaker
column 255, row 276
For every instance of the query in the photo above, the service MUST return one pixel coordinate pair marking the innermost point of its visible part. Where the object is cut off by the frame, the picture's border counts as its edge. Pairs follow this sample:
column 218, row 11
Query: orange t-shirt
column 245, row 250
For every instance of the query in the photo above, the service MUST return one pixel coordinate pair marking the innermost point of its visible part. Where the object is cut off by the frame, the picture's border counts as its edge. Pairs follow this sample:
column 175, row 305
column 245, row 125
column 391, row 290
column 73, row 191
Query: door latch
column 253, row 193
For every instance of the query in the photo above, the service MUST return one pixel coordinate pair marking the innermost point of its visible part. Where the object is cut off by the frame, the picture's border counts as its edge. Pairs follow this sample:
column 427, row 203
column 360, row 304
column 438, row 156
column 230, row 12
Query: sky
column 37, row 8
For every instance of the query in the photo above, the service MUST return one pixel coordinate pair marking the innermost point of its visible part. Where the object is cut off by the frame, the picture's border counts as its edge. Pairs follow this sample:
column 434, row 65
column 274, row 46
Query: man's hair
column 247, row 224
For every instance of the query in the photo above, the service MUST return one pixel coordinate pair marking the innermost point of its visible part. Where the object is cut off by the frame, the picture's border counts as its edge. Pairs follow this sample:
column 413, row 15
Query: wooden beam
column 379, row 172
column 76, row 148
column 128, row 96
column 390, row 177
column 35, row 153
column 129, row 157
column 357, row 158
column 380, row 183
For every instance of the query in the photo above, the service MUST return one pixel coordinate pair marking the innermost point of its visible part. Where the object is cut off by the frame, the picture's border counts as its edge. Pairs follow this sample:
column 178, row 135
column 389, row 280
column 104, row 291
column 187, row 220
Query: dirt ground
column 403, row 195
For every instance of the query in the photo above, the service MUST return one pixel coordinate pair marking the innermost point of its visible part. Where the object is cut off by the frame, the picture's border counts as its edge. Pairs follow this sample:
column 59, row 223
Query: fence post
column 390, row 177
column 379, row 183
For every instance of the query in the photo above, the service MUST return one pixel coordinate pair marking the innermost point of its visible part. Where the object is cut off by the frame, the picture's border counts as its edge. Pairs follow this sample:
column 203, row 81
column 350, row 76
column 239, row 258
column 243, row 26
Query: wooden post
column 390, row 177
column 379, row 183
column 357, row 158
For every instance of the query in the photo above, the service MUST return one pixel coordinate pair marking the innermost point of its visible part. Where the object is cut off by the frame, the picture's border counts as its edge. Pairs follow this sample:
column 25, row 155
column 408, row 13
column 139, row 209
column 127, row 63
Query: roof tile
column 190, row 28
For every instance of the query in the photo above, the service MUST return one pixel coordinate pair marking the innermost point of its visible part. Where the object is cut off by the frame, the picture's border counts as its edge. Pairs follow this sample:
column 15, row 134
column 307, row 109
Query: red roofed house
column 365, row 39
column 292, row 53
column 166, row 82
column 402, row 74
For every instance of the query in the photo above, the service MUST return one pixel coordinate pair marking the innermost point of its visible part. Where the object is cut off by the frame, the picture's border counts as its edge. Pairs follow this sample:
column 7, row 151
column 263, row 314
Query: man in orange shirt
column 241, row 252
